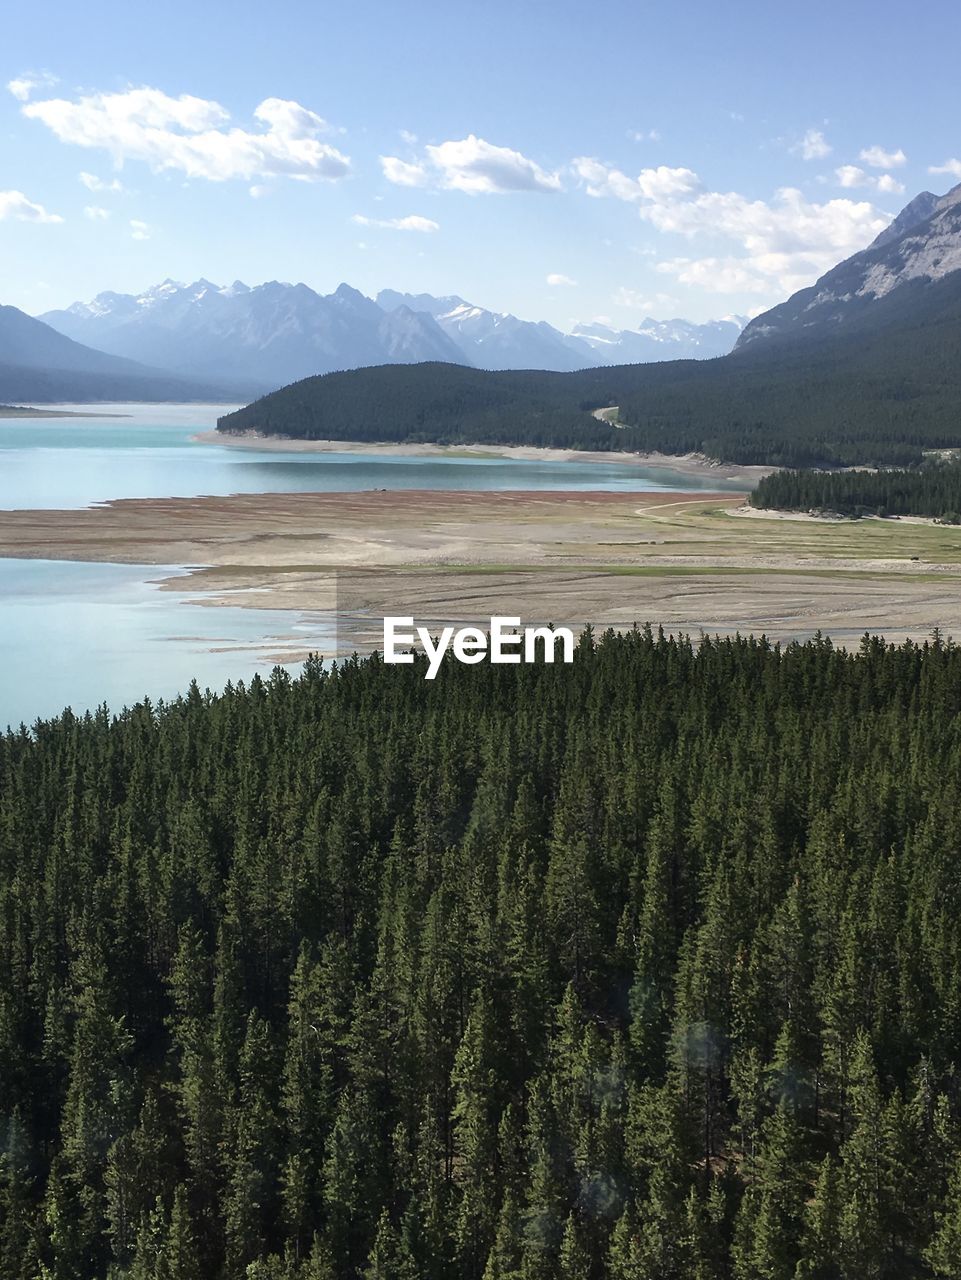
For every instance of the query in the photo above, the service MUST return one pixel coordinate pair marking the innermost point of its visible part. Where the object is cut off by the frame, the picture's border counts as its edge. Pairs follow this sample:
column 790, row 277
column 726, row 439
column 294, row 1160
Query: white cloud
column 556, row 279
column 95, row 213
column 643, row 135
column 413, row 222
column 23, row 86
column 472, row 165
column 878, row 158
column 403, row 174
column 788, row 224
column 951, row 167
column 139, row 230
column 850, row 175
column 93, row 183
column 14, row 204
column 194, row 135
column 722, row 275
column 637, row 301
column 813, row 146
column 786, row 242
column 408, row 137
column 662, row 183
column 478, row 167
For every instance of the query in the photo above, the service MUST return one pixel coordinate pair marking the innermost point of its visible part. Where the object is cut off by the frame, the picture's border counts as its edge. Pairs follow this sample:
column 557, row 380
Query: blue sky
column 560, row 160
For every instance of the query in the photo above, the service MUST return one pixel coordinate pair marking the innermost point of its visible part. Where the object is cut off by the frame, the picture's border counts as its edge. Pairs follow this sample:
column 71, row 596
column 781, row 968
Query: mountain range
column 494, row 340
column 208, row 341
column 276, row 333
column 863, row 367
column 273, row 334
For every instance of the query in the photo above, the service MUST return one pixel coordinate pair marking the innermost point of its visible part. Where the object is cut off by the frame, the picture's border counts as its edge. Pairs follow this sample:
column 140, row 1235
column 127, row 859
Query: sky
column 556, row 159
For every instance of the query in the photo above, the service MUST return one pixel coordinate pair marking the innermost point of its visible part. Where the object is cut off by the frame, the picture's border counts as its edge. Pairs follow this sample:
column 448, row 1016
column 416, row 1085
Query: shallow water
column 73, row 462
column 78, row 635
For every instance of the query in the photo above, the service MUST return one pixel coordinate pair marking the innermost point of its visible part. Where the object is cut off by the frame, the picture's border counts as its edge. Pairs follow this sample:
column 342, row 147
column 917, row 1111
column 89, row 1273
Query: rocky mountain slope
column 912, row 265
column 495, row 340
column 275, row 333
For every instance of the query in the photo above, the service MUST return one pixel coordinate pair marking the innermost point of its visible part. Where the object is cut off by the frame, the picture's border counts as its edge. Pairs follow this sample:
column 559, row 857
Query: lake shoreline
column 676, row 559
column 692, row 464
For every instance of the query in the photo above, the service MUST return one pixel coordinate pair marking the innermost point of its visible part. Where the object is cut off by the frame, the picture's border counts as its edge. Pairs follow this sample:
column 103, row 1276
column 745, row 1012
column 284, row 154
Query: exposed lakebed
column 81, row 634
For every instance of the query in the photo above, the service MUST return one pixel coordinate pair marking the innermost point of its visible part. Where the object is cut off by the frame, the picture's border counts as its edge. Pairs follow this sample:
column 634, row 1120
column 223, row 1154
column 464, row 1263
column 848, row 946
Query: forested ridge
column 22, row 384
column 645, row 967
column 878, row 394
column 932, row 490
column 443, row 404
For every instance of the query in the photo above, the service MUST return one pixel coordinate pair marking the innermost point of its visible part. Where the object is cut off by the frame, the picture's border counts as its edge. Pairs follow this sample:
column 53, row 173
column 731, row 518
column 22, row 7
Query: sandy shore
column 677, row 559
column 775, row 513
column 687, row 464
column 782, row 605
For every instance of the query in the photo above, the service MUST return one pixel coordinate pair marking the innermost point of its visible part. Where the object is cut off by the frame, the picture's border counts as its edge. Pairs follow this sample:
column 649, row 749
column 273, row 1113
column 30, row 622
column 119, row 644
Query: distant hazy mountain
column 863, row 368
column 277, row 333
column 912, row 265
column 274, row 333
column 662, row 340
column 37, row 364
column 493, row 340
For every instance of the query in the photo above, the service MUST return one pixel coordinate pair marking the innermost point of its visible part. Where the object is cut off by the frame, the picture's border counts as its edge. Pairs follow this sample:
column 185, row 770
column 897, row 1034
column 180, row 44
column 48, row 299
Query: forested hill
column 645, row 967
column 879, row 394
column 932, row 490
column 445, row 404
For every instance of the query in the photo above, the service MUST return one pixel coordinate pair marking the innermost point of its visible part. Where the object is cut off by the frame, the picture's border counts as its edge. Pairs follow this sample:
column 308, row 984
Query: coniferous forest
column 933, row 490
column 645, row 967
column 877, row 395
column 807, row 408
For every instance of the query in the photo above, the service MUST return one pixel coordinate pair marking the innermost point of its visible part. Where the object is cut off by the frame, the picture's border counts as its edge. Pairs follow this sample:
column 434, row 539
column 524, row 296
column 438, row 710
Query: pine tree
column 19, row 1229
column 943, row 1254
column 574, row 1261
column 820, row 1256
column 253, row 1175
column 862, row 1220
column 770, row 1219
column 179, row 1257
column 389, row 1260
column 475, row 1139
column 544, row 1210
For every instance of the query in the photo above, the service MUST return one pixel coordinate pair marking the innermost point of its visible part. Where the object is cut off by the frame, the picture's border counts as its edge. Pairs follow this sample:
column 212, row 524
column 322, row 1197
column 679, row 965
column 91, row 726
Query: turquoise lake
column 73, row 462
column 80, row 635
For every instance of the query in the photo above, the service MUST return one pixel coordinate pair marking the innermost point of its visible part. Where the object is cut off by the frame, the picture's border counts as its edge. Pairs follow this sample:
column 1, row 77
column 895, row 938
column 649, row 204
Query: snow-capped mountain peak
column 661, row 339
column 499, row 340
column 278, row 332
